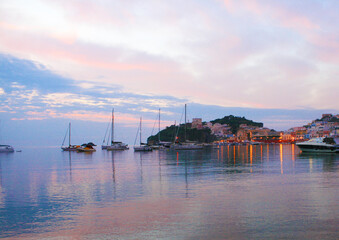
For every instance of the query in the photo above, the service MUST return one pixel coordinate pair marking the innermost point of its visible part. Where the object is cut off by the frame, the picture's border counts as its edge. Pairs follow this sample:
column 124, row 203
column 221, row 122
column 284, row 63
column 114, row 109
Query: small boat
column 187, row 146
column 319, row 145
column 6, row 148
column 143, row 146
column 87, row 147
column 69, row 147
column 114, row 145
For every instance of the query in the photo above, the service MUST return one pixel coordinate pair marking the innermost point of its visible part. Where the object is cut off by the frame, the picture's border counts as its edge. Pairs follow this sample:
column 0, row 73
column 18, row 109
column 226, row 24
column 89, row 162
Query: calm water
column 241, row 192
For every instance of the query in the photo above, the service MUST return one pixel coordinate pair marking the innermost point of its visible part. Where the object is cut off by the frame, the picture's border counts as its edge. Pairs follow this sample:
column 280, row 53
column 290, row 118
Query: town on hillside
column 231, row 129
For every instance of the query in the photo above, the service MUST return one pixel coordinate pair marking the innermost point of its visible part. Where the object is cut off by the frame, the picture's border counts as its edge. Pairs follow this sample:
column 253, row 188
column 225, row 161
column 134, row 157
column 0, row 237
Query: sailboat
column 186, row 145
column 69, row 147
column 159, row 144
column 114, row 145
column 143, row 146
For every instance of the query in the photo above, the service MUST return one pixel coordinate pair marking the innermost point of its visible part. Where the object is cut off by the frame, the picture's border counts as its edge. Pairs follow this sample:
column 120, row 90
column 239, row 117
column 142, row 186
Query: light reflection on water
column 233, row 192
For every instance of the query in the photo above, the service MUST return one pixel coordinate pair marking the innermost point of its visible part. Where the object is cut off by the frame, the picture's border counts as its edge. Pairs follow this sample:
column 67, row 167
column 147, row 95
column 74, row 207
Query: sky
column 73, row 61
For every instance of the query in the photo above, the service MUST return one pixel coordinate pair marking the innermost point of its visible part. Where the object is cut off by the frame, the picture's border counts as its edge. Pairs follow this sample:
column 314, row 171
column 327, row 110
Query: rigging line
column 103, row 141
column 108, row 136
column 65, row 136
column 179, row 124
column 155, row 122
column 136, row 137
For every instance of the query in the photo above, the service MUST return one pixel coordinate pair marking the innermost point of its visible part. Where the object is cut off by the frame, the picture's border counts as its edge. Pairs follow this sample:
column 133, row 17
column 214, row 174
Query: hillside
column 235, row 122
column 201, row 135
column 192, row 134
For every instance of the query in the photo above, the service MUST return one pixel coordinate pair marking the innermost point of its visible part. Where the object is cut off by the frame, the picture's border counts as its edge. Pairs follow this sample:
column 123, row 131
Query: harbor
column 233, row 192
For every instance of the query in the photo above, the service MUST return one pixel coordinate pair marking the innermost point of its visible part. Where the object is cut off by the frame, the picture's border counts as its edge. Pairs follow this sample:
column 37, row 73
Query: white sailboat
column 114, row 145
column 159, row 144
column 69, row 147
column 143, row 146
column 186, row 145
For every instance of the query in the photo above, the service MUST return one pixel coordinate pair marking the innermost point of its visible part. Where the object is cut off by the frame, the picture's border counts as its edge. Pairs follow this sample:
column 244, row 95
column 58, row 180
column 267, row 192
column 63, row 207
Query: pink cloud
column 128, row 120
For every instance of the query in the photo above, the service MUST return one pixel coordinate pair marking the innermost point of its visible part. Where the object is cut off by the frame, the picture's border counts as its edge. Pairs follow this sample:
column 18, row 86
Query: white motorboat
column 319, row 145
column 6, row 148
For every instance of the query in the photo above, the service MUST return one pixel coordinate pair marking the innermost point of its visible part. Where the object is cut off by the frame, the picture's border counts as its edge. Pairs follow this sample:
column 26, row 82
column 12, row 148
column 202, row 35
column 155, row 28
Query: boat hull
column 318, row 149
column 6, row 149
column 187, row 147
column 86, row 150
column 69, row 149
column 115, row 147
column 142, row 149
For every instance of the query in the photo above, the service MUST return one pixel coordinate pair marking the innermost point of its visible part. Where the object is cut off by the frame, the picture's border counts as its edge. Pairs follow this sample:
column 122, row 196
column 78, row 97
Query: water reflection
column 229, row 192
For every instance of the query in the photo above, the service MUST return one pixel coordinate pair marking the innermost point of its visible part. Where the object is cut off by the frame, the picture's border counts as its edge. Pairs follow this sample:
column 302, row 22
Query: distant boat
column 87, row 147
column 186, row 145
column 158, row 145
column 114, row 145
column 143, row 146
column 69, row 147
column 6, row 149
column 319, row 145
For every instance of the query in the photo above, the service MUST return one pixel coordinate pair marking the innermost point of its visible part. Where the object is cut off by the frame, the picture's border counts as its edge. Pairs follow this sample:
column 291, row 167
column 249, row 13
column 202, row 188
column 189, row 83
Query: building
column 197, row 123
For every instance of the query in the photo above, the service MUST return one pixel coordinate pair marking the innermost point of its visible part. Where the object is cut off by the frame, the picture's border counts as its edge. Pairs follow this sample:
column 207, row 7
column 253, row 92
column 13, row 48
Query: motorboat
column 87, row 147
column 319, row 145
column 6, row 148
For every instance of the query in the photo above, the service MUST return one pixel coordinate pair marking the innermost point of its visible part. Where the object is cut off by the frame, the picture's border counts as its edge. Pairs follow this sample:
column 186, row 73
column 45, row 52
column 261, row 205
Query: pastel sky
column 73, row 60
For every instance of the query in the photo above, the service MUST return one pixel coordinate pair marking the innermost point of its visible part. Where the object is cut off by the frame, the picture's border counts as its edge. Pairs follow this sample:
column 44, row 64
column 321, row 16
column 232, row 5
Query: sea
column 229, row 192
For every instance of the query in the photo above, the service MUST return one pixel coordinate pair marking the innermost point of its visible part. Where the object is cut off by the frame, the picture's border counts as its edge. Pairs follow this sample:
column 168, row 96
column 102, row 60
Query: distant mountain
column 235, row 122
column 200, row 135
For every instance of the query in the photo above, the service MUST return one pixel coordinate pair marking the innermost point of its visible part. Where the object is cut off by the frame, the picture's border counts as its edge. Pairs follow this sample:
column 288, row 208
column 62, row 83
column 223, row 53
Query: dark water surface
column 235, row 192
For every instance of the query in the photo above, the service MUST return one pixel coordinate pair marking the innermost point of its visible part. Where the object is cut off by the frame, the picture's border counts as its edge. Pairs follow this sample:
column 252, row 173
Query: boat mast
column 159, row 127
column 140, row 130
column 112, row 137
column 185, row 121
column 69, row 139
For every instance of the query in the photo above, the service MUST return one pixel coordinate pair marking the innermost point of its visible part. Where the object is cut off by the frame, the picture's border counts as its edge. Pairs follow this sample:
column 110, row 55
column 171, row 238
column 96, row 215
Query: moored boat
column 6, row 148
column 69, row 147
column 87, row 147
column 142, row 147
column 186, row 145
column 114, row 145
column 319, row 145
